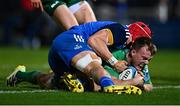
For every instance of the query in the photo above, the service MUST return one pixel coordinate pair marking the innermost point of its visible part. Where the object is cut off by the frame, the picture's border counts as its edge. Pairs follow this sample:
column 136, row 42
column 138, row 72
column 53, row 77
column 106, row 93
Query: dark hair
column 142, row 41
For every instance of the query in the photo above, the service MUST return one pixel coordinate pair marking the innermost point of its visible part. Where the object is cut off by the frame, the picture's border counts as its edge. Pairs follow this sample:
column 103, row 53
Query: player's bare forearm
column 136, row 81
column 123, row 82
column 98, row 43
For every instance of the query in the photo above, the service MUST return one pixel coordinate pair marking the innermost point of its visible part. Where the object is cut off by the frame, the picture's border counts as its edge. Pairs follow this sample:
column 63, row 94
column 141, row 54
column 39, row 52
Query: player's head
column 142, row 51
column 139, row 29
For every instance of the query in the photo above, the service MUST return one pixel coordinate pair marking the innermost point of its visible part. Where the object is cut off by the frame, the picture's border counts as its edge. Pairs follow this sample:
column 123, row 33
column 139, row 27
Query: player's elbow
column 98, row 38
column 148, row 87
column 92, row 41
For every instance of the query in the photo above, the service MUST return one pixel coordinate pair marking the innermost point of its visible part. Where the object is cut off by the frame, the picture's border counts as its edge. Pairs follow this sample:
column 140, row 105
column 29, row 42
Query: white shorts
column 74, row 8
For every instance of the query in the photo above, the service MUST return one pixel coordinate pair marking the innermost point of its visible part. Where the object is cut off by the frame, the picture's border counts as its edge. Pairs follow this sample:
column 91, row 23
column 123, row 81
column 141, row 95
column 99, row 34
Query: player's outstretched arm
column 99, row 43
column 136, row 81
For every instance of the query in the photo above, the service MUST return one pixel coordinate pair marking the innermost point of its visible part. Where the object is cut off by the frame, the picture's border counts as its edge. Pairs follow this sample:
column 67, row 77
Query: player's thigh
column 51, row 5
column 90, row 64
column 82, row 60
column 64, row 17
column 61, row 13
column 83, row 12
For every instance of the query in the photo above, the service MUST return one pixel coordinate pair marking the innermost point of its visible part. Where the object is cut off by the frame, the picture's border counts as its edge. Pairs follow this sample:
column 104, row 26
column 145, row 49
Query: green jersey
column 121, row 55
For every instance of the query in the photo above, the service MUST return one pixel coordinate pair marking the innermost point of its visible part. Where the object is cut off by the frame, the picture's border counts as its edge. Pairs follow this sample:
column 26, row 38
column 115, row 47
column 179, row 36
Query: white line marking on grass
column 25, row 91
column 167, row 86
column 32, row 65
column 39, row 91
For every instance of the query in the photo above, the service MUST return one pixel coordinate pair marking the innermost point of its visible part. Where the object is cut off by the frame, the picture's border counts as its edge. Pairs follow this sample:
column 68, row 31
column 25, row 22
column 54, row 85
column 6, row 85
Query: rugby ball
column 128, row 74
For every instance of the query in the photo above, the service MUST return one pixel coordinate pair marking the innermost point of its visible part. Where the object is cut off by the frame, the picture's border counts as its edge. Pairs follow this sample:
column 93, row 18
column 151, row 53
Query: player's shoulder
column 120, row 54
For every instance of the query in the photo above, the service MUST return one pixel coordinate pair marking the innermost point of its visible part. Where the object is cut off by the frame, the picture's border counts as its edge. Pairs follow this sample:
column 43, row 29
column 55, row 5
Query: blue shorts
column 64, row 48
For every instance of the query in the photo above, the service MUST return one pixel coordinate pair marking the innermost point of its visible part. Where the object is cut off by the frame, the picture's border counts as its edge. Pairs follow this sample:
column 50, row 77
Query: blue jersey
column 69, row 43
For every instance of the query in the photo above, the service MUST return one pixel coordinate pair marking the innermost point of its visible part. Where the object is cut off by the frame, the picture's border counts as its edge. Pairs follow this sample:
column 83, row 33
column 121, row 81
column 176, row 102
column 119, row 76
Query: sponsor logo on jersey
column 77, row 47
column 78, row 38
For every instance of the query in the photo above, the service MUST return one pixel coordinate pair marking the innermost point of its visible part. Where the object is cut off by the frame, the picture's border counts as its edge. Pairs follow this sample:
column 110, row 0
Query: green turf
column 165, row 67
column 156, row 97
column 164, row 70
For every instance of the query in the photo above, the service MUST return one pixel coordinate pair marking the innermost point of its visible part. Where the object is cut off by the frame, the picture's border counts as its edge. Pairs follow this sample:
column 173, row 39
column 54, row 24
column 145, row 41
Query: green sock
column 28, row 76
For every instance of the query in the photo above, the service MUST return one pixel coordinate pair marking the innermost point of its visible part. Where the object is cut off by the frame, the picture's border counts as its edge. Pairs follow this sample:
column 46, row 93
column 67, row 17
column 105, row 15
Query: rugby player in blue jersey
column 83, row 47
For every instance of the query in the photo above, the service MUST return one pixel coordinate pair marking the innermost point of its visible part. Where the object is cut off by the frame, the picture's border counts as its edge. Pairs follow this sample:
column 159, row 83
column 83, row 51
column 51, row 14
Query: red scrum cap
column 139, row 29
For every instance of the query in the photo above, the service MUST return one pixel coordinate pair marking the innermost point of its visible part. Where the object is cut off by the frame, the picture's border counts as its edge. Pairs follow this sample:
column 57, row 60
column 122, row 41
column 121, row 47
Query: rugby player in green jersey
column 67, row 13
column 138, row 59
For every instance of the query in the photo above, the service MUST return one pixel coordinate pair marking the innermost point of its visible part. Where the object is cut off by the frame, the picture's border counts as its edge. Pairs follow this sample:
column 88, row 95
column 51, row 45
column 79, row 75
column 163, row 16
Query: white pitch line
column 166, row 86
column 32, row 65
column 39, row 91
column 25, row 91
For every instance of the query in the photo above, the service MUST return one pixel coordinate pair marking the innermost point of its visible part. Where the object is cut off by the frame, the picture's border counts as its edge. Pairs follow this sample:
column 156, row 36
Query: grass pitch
column 164, row 70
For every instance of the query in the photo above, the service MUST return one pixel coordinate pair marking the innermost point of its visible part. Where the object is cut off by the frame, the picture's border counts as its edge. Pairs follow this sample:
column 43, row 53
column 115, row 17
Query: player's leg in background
column 36, row 77
column 59, row 11
column 64, row 17
column 20, row 74
column 83, row 12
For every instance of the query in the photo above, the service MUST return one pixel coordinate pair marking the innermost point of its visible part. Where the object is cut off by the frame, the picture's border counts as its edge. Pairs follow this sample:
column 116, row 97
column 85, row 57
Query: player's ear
column 133, row 52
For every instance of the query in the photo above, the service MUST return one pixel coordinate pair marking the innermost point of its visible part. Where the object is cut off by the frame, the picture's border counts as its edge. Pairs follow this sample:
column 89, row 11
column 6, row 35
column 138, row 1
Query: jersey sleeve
column 120, row 54
column 110, row 37
column 111, row 71
column 116, row 35
column 147, row 79
column 116, row 32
